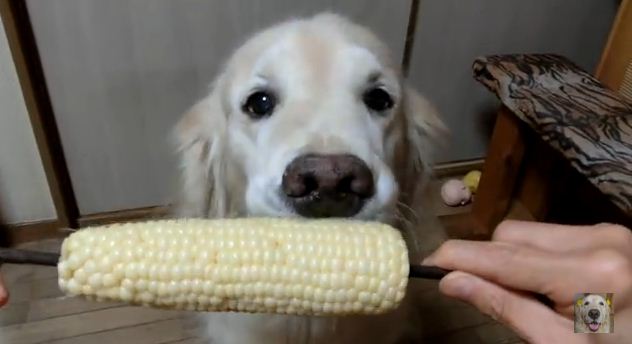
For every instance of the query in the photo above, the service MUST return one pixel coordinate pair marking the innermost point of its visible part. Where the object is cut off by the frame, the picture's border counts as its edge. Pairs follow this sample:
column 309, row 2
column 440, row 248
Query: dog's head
column 309, row 118
column 594, row 311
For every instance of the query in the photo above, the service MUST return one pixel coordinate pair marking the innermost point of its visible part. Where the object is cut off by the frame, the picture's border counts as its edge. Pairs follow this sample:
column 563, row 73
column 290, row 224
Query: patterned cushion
column 572, row 111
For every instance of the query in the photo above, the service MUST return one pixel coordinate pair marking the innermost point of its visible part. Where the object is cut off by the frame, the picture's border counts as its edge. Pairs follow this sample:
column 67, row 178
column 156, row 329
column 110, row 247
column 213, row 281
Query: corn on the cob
column 286, row 266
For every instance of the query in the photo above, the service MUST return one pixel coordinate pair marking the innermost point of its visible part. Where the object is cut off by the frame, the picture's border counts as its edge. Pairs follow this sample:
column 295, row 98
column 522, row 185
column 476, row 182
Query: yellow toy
column 471, row 180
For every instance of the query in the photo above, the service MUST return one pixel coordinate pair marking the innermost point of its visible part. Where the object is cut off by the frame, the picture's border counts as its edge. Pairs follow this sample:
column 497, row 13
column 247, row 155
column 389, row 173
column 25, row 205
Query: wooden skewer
column 16, row 256
column 427, row 272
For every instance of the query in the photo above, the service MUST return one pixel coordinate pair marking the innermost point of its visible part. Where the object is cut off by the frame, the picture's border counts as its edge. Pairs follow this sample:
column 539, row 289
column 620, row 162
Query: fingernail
column 456, row 284
column 428, row 260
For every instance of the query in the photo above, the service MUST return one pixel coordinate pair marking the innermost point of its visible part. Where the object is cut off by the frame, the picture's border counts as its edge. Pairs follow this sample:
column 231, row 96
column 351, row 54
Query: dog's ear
column 425, row 129
column 200, row 140
column 424, row 132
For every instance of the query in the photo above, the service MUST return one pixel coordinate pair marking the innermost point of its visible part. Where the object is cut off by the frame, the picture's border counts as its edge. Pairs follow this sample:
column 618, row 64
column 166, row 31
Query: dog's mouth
column 593, row 326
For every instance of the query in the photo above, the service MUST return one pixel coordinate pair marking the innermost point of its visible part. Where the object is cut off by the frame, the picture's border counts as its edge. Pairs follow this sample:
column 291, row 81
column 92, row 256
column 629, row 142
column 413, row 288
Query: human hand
column 4, row 293
column 500, row 277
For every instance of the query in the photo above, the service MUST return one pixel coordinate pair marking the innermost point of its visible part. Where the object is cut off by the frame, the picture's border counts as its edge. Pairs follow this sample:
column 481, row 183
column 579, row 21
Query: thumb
column 530, row 319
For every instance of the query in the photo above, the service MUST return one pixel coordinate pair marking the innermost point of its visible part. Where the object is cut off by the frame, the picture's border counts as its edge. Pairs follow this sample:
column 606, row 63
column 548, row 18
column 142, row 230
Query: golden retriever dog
column 592, row 314
column 311, row 118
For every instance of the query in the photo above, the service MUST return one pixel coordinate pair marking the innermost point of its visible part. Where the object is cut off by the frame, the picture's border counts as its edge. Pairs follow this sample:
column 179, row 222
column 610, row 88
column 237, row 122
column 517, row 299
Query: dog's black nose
column 327, row 185
column 593, row 314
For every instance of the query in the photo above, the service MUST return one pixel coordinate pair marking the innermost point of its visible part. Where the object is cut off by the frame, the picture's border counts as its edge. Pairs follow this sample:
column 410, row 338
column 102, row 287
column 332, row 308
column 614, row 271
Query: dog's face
column 310, row 118
column 594, row 312
column 312, row 127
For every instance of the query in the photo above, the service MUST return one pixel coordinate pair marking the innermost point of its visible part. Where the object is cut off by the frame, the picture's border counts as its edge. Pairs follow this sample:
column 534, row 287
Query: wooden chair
column 562, row 144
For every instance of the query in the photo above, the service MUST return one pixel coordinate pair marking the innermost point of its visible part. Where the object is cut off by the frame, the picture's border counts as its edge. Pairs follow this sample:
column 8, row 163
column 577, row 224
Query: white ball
column 454, row 192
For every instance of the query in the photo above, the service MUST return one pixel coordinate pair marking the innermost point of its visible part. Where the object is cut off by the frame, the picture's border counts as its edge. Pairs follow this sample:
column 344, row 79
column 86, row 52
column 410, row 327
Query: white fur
column 582, row 319
column 232, row 165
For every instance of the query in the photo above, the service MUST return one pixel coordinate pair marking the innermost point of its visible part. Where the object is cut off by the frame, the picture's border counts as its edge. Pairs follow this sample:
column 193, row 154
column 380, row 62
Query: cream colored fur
column 590, row 302
column 232, row 165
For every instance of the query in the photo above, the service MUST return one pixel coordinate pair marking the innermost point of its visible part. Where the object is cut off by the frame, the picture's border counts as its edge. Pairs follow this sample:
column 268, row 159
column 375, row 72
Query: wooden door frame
column 28, row 65
column 615, row 55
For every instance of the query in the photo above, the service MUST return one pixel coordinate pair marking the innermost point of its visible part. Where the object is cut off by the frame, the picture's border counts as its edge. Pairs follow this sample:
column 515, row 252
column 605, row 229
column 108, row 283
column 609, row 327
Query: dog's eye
column 377, row 99
column 586, row 303
column 259, row 104
column 601, row 303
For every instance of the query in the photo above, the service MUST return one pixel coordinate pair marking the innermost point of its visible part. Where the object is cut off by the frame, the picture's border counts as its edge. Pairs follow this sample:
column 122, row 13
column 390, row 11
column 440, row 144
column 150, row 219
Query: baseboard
column 15, row 234
column 456, row 168
column 123, row 215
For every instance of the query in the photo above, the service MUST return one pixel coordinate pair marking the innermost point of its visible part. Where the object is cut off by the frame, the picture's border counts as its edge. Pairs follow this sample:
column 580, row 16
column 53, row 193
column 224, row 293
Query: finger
column 530, row 319
column 507, row 264
column 559, row 276
column 559, row 238
column 4, row 294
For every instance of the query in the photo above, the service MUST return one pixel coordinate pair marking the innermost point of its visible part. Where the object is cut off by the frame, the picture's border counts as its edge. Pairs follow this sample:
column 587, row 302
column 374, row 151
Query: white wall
column 24, row 194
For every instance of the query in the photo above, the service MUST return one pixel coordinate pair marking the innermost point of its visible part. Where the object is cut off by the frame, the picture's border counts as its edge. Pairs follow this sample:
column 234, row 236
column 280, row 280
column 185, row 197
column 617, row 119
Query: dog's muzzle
column 594, row 315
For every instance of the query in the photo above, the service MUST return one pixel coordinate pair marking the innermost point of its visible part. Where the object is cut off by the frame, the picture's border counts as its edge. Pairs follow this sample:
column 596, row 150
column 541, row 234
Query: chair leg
column 500, row 173
column 541, row 178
